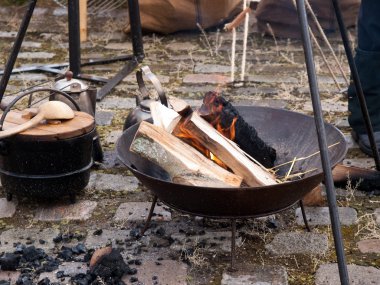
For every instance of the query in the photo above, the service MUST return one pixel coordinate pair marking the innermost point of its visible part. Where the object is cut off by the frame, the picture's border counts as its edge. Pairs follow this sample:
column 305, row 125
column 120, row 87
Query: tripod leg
column 16, row 47
column 319, row 123
column 74, row 37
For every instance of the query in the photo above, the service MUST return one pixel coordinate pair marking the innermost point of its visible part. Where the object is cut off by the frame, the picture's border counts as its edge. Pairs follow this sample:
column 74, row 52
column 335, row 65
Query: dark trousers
column 367, row 59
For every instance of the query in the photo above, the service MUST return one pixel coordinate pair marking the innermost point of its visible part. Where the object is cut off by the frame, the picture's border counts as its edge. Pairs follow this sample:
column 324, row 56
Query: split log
column 225, row 150
column 180, row 106
column 215, row 109
column 314, row 198
column 164, row 117
column 184, row 164
column 360, row 178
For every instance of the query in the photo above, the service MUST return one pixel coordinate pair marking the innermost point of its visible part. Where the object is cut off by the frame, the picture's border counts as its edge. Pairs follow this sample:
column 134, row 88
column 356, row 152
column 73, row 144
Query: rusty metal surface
column 290, row 133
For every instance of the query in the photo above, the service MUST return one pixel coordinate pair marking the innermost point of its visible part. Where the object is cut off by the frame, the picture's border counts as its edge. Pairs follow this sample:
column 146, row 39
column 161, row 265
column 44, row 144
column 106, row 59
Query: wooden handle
column 237, row 21
column 38, row 118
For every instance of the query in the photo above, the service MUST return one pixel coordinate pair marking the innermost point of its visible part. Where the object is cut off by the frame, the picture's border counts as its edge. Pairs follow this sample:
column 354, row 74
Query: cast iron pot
column 45, row 169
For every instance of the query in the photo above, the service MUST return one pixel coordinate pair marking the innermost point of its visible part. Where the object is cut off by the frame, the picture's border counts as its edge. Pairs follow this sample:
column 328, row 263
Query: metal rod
column 16, row 47
column 233, row 245
column 304, row 216
column 331, row 196
column 74, row 36
column 357, row 83
column 147, row 222
column 111, row 83
column 136, row 33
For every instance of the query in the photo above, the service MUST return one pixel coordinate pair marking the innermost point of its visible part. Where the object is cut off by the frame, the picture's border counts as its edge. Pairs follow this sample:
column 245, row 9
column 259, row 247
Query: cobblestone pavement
column 177, row 248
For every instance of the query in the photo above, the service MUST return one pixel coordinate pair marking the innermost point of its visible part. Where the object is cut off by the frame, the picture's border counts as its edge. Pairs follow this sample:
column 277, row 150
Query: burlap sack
column 279, row 17
column 168, row 16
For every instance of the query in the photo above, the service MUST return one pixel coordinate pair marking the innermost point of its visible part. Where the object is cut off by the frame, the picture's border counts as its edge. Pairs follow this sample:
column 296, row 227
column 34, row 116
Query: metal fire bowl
column 290, row 133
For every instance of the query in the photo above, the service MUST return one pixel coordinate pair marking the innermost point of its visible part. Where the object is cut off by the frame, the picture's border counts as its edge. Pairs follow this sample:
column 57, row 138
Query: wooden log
column 164, row 117
column 180, row 106
column 83, row 20
column 184, row 164
column 314, row 198
column 360, row 178
column 227, row 151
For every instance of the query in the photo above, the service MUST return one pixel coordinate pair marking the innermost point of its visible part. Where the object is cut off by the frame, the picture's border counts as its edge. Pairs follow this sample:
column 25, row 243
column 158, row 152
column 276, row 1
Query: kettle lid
column 70, row 84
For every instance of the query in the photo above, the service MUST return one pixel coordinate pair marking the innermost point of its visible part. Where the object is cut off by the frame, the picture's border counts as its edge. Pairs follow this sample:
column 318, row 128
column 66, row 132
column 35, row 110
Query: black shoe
column 363, row 142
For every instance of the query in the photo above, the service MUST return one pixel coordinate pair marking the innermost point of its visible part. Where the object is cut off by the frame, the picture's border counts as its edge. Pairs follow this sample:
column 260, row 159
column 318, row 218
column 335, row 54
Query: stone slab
column 298, row 243
column 210, row 241
column 60, row 11
column 328, row 106
column 256, row 275
column 114, row 182
column 29, row 77
column 360, row 162
column 33, row 236
column 162, row 78
column 164, row 272
column 244, row 91
column 269, row 78
column 369, row 246
column 351, row 144
column 79, row 211
column 206, row 79
column 126, row 46
column 104, row 118
column 192, row 90
column 212, row 68
column 113, row 102
column 327, row 274
column 27, row 44
column 8, row 34
column 377, row 215
column 138, row 212
column 342, row 123
column 181, row 46
column 107, row 237
column 321, row 216
column 36, row 55
column 7, row 208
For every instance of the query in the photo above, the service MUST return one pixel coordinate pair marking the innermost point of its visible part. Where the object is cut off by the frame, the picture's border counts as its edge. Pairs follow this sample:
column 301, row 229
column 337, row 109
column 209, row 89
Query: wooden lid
column 81, row 124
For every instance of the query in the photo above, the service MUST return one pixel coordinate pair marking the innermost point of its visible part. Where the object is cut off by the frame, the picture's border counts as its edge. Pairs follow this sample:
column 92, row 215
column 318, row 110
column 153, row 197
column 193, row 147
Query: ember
column 185, row 134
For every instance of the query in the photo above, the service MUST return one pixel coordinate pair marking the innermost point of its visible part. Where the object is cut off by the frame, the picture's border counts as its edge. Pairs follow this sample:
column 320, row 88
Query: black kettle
column 142, row 110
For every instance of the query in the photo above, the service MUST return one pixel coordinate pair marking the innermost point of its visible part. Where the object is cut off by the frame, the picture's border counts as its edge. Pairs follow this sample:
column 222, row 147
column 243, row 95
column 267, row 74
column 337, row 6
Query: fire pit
column 290, row 133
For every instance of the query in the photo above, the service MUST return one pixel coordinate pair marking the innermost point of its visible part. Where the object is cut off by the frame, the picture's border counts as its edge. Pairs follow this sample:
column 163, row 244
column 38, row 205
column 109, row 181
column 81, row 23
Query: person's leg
column 367, row 59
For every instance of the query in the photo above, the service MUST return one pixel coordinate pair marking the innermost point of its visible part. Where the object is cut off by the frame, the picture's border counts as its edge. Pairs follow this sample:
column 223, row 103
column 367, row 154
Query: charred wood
column 215, row 109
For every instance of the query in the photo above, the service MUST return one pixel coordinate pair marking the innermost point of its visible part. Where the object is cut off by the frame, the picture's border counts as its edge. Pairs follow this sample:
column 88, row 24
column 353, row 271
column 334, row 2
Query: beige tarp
column 168, row 16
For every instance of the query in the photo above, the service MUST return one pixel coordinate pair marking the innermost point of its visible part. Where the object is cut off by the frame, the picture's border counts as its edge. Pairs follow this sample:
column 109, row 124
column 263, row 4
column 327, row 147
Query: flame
column 228, row 132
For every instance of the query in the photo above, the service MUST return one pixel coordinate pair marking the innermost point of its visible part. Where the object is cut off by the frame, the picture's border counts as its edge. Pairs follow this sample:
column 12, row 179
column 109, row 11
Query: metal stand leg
column 331, row 196
column 147, row 222
column 357, row 83
column 304, row 216
column 74, row 37
column 16, row 48
column 233, row 246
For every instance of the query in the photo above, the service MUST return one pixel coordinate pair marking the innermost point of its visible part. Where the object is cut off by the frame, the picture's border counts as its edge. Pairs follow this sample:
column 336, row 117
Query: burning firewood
column 184, row 164
column 221, row 114
column 224, row 150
